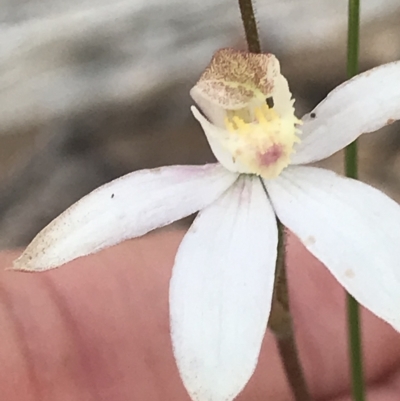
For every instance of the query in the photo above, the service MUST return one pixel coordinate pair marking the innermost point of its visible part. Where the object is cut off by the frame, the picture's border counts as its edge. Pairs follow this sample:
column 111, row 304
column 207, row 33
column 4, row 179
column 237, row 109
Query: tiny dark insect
column 270, row 102
column 112, row 196
column 313, row 115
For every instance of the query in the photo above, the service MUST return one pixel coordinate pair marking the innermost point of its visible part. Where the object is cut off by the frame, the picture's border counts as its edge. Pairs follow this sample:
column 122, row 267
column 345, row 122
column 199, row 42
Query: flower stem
column 352, row 69
column 250, row 26
column 351, row 168
column 280, row 323
column 357, row 376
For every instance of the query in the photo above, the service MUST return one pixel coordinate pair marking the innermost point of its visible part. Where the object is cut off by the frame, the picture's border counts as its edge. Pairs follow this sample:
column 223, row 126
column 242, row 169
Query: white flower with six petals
column 223, row 277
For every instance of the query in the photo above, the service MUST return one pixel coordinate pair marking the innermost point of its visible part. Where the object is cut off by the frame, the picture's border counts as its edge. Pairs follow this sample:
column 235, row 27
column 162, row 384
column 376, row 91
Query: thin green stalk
column 351, row 168
column 357, row 371
column 353, row 38
column 352, row 69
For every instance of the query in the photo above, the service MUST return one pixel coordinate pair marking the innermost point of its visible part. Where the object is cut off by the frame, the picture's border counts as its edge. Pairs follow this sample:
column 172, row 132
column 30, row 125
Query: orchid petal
column 221, row 290
column 212, row 111
column 363, row 104
column 125, row 208
column 216, row 136
column 350, row 227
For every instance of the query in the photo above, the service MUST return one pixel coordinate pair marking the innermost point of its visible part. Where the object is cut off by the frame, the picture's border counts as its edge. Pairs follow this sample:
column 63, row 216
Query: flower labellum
column 252, row 108
column 223, row 277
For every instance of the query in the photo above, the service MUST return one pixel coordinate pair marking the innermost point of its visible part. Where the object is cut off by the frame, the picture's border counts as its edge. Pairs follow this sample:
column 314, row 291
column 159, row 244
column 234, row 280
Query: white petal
column 363, row 104
column 125, row 208
column 221, row 291
column 215, row 137
column 350, row 227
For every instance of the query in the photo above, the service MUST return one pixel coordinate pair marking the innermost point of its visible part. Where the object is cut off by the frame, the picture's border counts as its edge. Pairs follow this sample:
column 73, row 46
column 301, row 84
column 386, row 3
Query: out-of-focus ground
column 93, row 89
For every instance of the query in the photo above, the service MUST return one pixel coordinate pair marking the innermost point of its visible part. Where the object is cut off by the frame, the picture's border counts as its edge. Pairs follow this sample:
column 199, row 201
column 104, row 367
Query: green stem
column 352, row 69
column 357, row 376
column 351, row 168
column 250, row 26
column 353, row 38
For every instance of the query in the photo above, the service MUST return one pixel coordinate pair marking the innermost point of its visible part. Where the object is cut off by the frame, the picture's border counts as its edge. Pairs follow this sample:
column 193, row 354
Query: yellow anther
column 240, row 124
column 229, row 126
column 265, row 109
column 261, row 139
column 236, row 124
column 264, row 115
column 259, row 115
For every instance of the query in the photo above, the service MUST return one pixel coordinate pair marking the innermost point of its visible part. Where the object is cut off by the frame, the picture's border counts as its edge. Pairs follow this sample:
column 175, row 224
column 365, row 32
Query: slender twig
column 351, row 168
column 250, row 26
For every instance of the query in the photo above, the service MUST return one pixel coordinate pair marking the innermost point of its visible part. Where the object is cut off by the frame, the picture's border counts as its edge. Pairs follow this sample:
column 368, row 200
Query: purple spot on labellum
column 271, row 156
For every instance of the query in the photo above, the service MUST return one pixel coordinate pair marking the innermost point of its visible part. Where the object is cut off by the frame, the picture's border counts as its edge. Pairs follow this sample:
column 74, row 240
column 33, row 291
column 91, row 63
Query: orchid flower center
column 262, row 137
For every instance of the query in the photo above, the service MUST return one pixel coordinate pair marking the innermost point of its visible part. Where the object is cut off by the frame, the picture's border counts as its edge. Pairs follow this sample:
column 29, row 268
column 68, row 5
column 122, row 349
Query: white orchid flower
column 223, row 278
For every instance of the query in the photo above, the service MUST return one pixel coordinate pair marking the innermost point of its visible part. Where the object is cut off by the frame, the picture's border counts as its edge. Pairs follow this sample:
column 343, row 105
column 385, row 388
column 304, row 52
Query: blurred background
column 93, row 89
